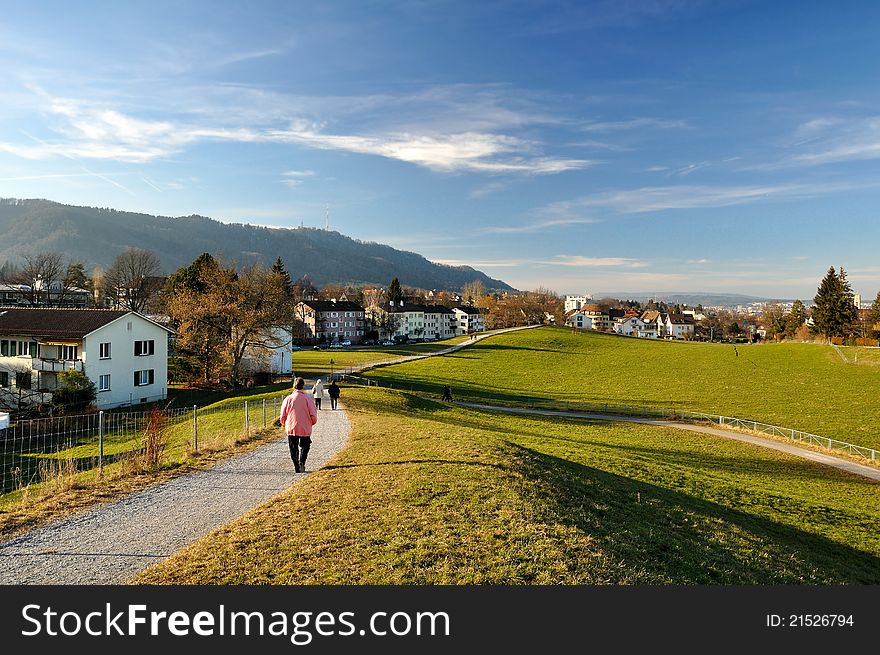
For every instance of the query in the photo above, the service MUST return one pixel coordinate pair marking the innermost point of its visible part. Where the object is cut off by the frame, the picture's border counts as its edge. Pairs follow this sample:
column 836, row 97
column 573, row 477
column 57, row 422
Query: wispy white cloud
column 579, row 261
column 699, row 261
column 93, row 131
column 651, row 199
column 295, row 178
column 473, row 151
column 539, row 226
column 486, row 190
column 830, row 140
column 633, row 124
column 483, row 263
column 690, row 168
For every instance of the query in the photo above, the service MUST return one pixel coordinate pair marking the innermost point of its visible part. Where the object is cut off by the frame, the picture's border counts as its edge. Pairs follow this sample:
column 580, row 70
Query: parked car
column 389, row 343
column 345, row 343
column 336, row 345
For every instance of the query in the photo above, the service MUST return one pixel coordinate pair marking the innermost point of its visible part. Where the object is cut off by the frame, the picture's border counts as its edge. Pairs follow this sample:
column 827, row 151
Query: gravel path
column 111, row 543
column 805, row 453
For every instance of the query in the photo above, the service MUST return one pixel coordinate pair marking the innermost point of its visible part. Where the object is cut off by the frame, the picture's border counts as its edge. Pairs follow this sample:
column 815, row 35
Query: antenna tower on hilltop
column 327, row 219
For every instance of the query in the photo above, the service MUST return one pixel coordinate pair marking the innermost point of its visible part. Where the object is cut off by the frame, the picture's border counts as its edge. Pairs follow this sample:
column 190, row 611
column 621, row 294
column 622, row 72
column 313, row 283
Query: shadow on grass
column 490, row 394
column 663, row 536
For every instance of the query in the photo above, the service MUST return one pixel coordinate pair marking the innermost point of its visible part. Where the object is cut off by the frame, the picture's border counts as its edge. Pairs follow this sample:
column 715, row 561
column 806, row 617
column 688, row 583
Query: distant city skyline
column 668, row 145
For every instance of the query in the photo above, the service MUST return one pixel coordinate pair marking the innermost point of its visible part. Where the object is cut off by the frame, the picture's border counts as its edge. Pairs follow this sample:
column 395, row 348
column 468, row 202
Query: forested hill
column 96, row 236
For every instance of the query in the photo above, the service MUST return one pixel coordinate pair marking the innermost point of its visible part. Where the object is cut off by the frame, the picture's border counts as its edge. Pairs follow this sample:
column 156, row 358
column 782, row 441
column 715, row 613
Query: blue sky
column 664, row 145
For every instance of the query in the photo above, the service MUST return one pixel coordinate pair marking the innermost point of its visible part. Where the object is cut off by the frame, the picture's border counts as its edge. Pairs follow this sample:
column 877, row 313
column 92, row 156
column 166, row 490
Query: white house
column 274, row 356
column 440, row 322
column 679, row 326
column 634, row 326
column 468, row 319
column 124, row 353
column 577, row 319
column 576, row 302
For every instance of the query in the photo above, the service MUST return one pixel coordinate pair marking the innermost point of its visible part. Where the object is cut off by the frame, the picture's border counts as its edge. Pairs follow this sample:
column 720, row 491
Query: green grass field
column 803, row 386
column 310, row 362
column 429, row 493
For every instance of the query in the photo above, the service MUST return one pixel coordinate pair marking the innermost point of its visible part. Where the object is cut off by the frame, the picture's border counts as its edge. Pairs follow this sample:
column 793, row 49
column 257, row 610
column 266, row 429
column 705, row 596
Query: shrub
column 861, row 341
column 75, row 393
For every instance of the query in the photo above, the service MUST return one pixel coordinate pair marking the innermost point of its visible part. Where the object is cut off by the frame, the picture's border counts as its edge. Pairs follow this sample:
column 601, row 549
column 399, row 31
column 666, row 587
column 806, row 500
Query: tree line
column 833, row 315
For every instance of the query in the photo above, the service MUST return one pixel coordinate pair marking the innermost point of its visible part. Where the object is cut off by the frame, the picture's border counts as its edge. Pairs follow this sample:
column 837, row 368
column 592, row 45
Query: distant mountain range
column 96, row 236
column 690, row 298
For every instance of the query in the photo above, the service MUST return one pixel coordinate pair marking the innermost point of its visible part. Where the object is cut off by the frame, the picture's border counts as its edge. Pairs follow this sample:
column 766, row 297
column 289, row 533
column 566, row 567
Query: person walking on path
column 318, row 392
column 298, row 415
column 447, row 393
column 333, row 392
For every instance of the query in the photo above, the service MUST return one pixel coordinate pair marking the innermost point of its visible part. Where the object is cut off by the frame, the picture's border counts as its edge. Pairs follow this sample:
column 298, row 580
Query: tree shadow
column 657, row 535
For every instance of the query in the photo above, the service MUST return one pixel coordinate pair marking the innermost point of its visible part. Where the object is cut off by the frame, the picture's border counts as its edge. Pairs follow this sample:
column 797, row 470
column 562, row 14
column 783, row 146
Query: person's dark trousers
column 317, row 403
column 299, row 451
column 333, row 402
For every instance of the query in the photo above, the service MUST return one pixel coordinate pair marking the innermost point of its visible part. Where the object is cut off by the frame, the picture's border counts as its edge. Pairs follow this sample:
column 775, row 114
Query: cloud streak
column 97, row 132
column 653, row 199
column 540, row 226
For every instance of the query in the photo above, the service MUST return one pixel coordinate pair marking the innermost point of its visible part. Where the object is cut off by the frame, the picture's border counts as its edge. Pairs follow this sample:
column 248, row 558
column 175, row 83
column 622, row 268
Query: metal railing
column 33, row 451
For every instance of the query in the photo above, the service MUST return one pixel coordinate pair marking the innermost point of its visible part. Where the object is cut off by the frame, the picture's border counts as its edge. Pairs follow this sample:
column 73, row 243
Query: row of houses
column 629, row 322
column 54, row 294
column 343, row 320
column 126, row 353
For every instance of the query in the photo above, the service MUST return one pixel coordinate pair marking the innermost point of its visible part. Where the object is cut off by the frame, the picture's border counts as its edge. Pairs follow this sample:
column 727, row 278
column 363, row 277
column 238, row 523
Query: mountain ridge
column 97, row 235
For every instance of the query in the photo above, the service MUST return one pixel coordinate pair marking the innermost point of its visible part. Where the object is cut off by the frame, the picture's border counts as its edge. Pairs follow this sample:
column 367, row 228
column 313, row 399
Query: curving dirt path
column 805, row 453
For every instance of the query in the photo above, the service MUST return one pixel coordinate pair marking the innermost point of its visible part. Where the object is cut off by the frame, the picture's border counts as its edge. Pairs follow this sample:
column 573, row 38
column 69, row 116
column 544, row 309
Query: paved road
column 805, row 453
column 111, row 543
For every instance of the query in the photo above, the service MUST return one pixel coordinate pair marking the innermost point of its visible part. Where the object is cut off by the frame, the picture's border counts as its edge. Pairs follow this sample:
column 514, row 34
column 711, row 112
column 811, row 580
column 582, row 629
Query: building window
column 7, row 348
column 146, row 347
column 68, row 352
column 27, row 348
column 105, row 350
column 4, row 379
column 143, row 378
column 23, row 380
column 104, row 383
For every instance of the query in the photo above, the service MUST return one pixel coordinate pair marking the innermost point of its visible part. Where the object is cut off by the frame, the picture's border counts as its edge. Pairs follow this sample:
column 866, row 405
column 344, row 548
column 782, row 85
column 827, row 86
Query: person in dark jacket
column 333, row 392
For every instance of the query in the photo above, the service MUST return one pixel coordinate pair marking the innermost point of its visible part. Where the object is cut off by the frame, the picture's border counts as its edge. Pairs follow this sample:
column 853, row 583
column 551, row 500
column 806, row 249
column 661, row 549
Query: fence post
column 195, row 428
column 264, row 412
column 101, row 443
column 246, row 420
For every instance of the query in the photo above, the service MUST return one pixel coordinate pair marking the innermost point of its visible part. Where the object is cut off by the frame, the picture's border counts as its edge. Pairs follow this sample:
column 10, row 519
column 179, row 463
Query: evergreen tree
column 825, row 302
column 796, row 317
column 834, row 312
column 279, row 270
column 847, row 311
column 874, row 317
column 394, row 293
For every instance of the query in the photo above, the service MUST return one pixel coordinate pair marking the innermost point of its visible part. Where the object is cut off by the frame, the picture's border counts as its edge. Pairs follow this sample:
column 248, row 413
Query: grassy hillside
column 434, row 494
column 308, row 361
column 803, row 386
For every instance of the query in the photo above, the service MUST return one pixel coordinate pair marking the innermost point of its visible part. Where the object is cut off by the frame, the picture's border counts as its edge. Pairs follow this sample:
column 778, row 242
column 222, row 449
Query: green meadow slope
column 804, row 386
column 428, row 493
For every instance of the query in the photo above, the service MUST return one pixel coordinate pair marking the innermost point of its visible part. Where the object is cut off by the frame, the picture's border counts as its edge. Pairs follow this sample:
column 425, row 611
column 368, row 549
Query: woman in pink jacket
column 298, row 415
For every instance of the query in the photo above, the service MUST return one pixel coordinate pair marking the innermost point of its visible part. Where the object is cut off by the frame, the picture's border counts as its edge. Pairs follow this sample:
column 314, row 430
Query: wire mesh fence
column 34, row 451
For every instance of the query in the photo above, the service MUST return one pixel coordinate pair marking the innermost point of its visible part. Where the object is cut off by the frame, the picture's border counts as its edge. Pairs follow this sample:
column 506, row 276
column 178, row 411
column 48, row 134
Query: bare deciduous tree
column 40, row 271
column 132, row 279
